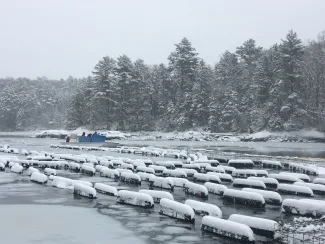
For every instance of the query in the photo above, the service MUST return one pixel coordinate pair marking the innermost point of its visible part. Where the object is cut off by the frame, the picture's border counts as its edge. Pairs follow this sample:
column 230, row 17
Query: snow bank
column 316, row 188
column 179, row 182
column 228, row 228
column 215, row 188
column 130, row 178
column 196, row 190
column 303, row 177
column 176, row 210
column 157, row 195
column 38, row 178
column 260, row 226
column 257, row 184
column 269, row 182
column 306, row 208
column 165, row 183
column 271, row 164
column 174, row 173
column 106, row 189
column 83, row 190
column 319, row 181
column 2, row 166
column 244, row 173
column 145, row 169
column 270, row 197
column 86, row 169
column 295, row 190
column 243, row 197
column 202, row 208
column 241, row 163
column 282, row 178
column 135, row 198
column 17, row 169
column 49, row 171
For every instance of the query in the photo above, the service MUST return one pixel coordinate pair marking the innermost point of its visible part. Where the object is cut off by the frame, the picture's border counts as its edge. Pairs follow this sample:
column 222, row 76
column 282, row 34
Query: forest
column 281, row 88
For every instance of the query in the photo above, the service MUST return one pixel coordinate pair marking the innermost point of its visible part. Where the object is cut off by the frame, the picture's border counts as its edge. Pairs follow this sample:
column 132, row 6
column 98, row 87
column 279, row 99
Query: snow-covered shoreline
column 263, row 136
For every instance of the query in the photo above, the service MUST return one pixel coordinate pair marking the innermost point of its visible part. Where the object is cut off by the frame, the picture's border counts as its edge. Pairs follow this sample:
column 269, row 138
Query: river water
column 147, row 224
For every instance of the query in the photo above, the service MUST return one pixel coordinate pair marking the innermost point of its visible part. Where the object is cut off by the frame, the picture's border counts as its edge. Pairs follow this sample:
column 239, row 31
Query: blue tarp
column 93, row 138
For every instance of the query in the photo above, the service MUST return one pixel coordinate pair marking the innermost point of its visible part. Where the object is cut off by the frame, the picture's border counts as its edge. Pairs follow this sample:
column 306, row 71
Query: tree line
column 252, row 89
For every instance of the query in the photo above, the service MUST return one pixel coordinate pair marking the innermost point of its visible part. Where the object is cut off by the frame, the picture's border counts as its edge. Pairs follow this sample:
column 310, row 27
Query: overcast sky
column 58, row 38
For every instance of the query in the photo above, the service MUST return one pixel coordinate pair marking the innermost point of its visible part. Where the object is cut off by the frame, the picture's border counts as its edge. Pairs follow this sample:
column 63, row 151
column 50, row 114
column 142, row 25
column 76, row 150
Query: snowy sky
column 58, row 38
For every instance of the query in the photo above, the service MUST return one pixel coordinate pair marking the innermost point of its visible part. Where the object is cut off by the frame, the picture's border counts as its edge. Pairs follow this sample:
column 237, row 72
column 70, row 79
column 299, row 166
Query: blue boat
column 93, row 138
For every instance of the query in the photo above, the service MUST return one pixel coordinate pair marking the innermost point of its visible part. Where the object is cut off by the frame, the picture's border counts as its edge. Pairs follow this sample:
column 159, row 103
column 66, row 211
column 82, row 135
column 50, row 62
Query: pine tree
column 183, row 65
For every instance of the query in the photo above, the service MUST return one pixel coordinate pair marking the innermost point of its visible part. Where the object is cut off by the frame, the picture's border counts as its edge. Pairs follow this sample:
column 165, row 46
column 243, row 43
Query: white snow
column 196, row 189
column 88, row 169
column 174, row 173
column 120, row 171
column 130, row 176
column 284, row 177
column 244, row 173
column 215, row 188
column 201, row 177
column 271, row 162
column 74, row 166
column 294, row 189
column 190, row 172
column 215, row 169
column 303, row 177
column 145, row 169
column 245, row 195
column 254, row 222
column 2, row 166
column 204, row 208
column 312, row 186
column 157, row 168
column 177, row 206
column 269, row 196
column 222, row 177
column 38, row 177
column 157, row 195
column 135, row 198
column 110, row 173
column 17, row 169
column 49, row 171
column 167, row 164
column 62, row 182
column 144, row 176
column 83, row 190
column 31, row 170
column 127, row 166
column 179, row 182
column 319, row 181
column 192, row 166
column 106, row 163
column 261, row 173
column 306, row 207
column 162, row 182
column 249, row 183
column 222, row 226
column 265, row 180
column 102, row 188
